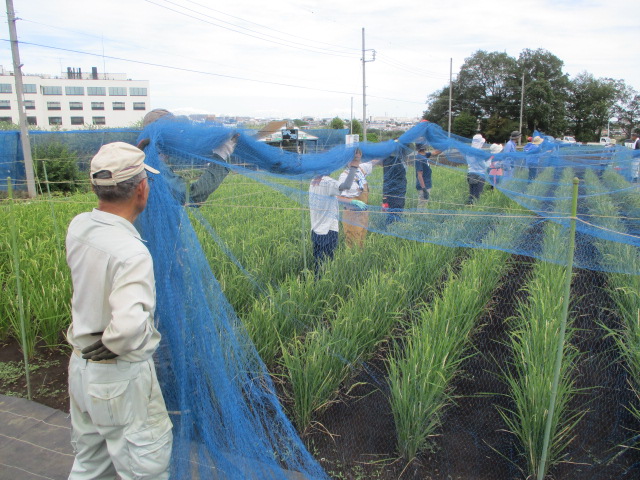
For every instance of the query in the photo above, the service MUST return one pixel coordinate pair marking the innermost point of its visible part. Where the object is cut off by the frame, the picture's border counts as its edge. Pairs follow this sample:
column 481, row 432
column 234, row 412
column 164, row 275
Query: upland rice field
column 400, row 349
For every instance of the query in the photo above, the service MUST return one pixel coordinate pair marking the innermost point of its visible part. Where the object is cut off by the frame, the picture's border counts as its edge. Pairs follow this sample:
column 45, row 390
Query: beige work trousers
column 355, row 222
column 119, row 421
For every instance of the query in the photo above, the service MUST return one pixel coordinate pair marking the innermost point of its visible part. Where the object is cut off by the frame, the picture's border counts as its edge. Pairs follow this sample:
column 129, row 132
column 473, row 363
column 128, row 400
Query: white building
column 75, row 100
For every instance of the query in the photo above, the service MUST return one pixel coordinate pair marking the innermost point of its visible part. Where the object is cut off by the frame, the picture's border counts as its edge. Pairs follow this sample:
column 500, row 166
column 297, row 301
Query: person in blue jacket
column 394, row 185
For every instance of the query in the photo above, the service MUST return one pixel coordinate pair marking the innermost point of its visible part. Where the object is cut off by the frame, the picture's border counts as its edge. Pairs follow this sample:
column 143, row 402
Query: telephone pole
column 17, row 75
column 521, row 109
column 450, row 91
column 364, row 87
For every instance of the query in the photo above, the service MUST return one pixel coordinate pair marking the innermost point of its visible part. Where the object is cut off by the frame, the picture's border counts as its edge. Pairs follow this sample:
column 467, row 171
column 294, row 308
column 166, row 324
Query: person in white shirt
column 635, row 163
column 323, row 208
column 476, row 169
column 354, row 220
column 120, row 424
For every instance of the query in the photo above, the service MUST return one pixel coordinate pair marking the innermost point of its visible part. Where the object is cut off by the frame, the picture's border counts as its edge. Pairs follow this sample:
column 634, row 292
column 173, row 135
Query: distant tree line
column 487, row 97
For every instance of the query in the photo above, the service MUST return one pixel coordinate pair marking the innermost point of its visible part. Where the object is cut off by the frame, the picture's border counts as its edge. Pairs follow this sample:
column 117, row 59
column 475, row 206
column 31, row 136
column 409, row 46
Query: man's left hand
column 97, row 351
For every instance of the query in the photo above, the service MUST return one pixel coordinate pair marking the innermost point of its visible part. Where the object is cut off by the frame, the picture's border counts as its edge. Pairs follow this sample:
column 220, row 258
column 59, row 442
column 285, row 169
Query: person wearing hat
column 324, row 198
column 495, row 166
column 532, row 151
column 212, row 176
column 476, row 169
column 355, row 221
column 119, row 420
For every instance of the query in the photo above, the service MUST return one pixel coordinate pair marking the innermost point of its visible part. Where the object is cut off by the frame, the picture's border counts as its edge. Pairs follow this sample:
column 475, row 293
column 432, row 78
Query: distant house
column 279, row 134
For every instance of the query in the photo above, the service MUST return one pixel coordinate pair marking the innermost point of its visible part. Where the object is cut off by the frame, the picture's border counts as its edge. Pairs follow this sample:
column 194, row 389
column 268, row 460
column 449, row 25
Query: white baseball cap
column 121, row 160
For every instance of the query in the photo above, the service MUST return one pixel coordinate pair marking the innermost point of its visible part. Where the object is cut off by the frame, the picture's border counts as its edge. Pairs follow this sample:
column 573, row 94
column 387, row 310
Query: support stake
column 563, row 328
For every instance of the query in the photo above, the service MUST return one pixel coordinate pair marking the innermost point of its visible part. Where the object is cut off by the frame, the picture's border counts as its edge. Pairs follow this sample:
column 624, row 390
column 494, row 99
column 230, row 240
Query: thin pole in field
column 303, row 229
column 16, row 264
column 53, row 211
column 563, row 328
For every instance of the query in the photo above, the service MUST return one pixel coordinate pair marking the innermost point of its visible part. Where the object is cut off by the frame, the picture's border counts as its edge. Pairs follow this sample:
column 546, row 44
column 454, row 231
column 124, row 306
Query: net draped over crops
column 224, row 404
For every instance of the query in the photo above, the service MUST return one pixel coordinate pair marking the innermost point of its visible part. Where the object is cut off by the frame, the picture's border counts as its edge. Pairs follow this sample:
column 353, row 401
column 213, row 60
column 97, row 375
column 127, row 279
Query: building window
column 118, row 91
column 75, row 106
column 99, row 121
column 97, row 105
column 6, row 88
column 53, row 106
column 74, row 90
column 29, row 104
column 29, row 88
column 137, row 92
column 6, row 120
column 139, row 106
column 32, row 120
column 5, row 105
column 55, row 120
column 77, row 120
column 118, row 105
column 51, row 90
column 96, row 91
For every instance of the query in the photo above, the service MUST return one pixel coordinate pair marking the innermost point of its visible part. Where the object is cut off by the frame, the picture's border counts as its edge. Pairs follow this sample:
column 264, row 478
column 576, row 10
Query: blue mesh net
column 228, row 412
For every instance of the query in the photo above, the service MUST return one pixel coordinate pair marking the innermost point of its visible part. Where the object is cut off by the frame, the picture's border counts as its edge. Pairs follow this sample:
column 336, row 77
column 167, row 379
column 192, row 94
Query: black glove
column 97, row 351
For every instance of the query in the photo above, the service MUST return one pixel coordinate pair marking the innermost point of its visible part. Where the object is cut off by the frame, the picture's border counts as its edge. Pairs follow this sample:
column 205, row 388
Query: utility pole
column 351, row 122
column 521, row 109
column 17, row 75
column 364, row 88
column 450, row 91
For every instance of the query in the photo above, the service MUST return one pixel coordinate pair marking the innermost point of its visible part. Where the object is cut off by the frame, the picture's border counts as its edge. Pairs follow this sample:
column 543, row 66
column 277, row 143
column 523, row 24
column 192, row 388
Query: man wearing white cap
column 120, row 424
column 476, row 169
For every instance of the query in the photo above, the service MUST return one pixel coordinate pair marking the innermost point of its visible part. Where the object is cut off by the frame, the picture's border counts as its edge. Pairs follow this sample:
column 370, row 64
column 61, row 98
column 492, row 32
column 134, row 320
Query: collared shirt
column 113, row 286
column 323, row 205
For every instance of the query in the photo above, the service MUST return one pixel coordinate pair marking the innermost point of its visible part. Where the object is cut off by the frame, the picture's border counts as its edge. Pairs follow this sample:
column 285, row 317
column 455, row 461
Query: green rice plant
column 534, row 344
column 46, row 280
column 424, row 364
column 312, row 372
column 623, row 288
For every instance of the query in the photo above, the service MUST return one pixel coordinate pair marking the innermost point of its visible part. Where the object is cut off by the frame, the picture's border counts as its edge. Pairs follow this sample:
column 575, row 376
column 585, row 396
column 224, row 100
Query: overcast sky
column 303, row 58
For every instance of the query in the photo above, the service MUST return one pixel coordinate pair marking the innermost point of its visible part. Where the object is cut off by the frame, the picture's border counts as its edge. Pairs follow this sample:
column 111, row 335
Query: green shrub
column 61, row 166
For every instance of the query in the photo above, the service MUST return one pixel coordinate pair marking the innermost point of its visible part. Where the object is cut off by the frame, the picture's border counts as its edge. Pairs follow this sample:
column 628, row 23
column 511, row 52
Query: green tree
column 438, row 108
column 487, row 85
column 465, row 124
column 497, row 129
column 336, row 123
column 357, row 127
column 590, row 105
column 61, row 166
column 546, row 91
column 627, row 107
column 299, row 123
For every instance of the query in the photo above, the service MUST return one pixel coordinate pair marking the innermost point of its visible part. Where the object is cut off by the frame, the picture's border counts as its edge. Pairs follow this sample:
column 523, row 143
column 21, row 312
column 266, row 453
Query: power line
column 129, row 44
column 288, row 45
column 356, row 50
column 202, row 72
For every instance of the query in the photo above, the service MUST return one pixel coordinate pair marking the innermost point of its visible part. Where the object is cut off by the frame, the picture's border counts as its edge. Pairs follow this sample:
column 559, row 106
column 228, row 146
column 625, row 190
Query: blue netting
column 224, row 405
